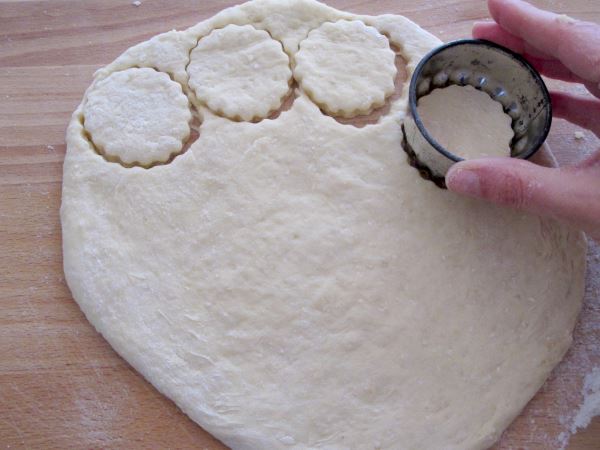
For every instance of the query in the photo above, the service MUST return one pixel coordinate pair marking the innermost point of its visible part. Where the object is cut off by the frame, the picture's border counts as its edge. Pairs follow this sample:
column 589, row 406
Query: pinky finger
column 491, row 31
column 593, row 88
column 554, row 69
column 581, row 111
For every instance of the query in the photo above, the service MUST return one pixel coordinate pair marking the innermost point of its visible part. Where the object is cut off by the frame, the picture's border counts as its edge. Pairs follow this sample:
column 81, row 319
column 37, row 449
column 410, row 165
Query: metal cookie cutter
column 498, row 71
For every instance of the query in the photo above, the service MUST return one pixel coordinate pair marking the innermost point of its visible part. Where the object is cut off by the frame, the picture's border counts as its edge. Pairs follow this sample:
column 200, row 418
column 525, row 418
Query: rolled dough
column 293, row 283
column 466, row 122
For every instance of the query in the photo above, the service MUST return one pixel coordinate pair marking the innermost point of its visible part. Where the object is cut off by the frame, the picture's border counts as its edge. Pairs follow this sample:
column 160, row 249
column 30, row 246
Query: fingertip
column 495, row 6
column 495, row 179
column 451, row 177
column 491, row 31
column 461, row 180
column 481, row 28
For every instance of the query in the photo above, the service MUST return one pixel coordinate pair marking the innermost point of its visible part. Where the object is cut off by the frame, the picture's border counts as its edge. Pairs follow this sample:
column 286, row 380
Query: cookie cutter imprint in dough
column 199, row 105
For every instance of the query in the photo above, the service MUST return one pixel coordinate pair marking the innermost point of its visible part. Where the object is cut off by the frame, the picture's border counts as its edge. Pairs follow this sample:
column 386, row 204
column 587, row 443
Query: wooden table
column 61, row 385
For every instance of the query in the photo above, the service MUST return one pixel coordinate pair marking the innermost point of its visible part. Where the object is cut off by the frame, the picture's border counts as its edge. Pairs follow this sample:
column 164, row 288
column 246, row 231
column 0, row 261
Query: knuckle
column 507, row 189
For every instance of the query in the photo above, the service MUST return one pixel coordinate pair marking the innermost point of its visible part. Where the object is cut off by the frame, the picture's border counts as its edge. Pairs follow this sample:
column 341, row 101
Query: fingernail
column 464, row 182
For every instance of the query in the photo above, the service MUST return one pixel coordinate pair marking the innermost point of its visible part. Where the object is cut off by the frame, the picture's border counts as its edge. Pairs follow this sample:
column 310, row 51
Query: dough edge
column 78, row 151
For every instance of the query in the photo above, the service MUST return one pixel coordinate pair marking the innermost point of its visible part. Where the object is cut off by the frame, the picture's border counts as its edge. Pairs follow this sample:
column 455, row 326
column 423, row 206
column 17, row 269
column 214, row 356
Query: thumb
column 571, row 195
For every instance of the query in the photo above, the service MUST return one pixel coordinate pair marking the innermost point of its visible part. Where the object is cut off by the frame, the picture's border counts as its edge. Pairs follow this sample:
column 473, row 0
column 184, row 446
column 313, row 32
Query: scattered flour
column 590, row 407
column 579, row 135
column 584, row 358
column 558, row 410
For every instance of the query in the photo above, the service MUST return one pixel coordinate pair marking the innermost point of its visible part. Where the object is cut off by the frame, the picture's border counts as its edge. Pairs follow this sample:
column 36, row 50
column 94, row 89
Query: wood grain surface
column 61, row 385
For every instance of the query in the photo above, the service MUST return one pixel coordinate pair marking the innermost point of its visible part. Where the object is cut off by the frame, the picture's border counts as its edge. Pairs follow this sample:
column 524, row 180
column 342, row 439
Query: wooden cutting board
column 61, row 385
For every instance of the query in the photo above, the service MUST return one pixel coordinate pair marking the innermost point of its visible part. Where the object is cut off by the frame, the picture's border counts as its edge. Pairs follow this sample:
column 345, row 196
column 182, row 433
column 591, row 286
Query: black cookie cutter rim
column 414, row 161
column 412, row 94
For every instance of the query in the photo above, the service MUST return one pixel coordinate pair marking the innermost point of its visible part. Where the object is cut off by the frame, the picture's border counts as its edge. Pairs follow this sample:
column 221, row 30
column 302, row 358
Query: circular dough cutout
column 346, row 67
column 137, row 117
column 240, row 72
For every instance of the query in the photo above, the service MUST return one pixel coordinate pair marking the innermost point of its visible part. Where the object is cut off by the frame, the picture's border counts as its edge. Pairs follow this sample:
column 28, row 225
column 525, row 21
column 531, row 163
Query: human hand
column 566, row 49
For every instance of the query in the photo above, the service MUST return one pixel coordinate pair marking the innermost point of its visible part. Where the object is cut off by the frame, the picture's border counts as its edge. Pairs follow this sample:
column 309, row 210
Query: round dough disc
column 240, row 72
column 137, row 116
column 346, row 67
column 294, row 283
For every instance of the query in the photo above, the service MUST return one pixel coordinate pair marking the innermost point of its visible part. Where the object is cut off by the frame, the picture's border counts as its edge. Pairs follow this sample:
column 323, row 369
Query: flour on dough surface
column 293, row 283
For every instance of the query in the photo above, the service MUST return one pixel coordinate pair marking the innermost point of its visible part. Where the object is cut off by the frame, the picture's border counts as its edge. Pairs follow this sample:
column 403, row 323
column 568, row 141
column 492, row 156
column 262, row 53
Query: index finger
column 575, row 43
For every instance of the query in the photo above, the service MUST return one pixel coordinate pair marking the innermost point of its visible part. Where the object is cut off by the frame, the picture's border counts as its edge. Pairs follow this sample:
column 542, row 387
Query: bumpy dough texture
column 346, row 67
column 295, row 284
column 240, row 72
column 138, row 116
column 466, row 122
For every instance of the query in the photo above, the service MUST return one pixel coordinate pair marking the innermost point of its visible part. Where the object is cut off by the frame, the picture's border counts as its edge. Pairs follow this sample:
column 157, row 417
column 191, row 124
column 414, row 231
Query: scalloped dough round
column 294, row 284
column 346, row 67
column 240, row 72
column 137, row 116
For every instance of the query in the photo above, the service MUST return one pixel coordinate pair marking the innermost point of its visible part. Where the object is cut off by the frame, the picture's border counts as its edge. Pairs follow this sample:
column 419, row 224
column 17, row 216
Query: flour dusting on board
column 590, row 407
column 582, row 364
column 570, row 398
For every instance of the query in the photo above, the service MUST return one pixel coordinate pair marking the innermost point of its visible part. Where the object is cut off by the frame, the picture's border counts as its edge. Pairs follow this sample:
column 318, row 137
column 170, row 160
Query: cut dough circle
column 137, row 116
column 240, row 72
column 346, row 67
column 294, row 284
